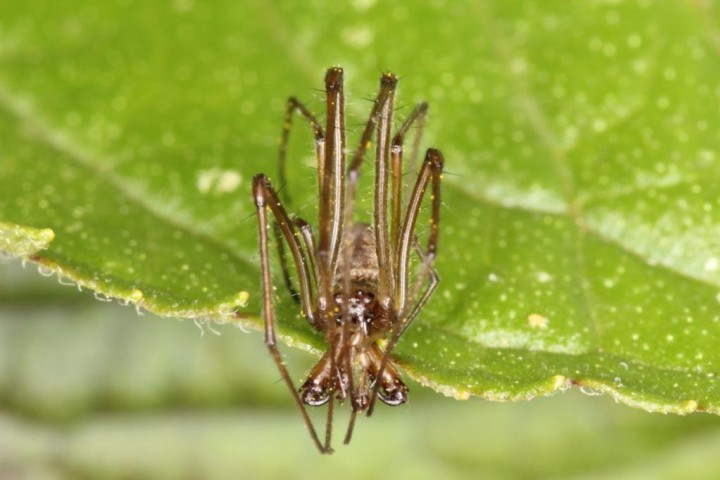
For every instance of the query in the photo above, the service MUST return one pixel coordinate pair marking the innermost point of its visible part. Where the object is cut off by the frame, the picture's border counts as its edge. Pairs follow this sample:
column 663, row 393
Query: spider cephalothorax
column 354, row 282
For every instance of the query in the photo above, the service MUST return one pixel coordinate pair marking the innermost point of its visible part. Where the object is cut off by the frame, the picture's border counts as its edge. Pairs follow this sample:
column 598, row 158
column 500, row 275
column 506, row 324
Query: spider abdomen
column 363, row 269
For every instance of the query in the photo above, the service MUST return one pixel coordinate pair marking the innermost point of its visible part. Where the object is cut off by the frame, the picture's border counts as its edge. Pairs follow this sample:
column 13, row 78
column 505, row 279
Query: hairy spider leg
column 294, row 106
column 417, row 120
column 427, row 270
column 330, row 154
column 331, row 193
column 264, row 196
column 430, row 172
column 382, row 105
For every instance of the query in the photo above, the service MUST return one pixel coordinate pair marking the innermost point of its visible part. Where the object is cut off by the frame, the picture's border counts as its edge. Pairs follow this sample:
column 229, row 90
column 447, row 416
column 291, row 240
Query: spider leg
column 430, row 172
column 331, row 176
column 306, row 234
column 331, row 196
column 381, row 119
column 328, row 425
column 277, row 232
column 426, row 272
column 417, row 119
column 351, row 426
column 264, row 197
column 308, row 244
column 293, row 106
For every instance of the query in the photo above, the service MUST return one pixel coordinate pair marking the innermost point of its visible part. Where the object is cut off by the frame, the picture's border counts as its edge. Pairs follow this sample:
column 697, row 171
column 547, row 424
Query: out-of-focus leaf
column 571, row 437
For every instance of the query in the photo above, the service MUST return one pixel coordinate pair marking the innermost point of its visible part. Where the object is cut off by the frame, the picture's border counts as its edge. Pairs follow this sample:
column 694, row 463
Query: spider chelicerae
column 353, row 279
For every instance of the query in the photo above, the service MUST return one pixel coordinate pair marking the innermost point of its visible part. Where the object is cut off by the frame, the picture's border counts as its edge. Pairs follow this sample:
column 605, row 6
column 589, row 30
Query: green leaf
column 580, row 221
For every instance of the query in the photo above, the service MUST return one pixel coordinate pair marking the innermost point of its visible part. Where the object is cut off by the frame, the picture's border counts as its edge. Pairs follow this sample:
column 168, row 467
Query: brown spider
column 354, row 284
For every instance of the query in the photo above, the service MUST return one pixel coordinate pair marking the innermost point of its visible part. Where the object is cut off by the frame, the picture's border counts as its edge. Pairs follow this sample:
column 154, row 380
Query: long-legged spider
column 354, row 282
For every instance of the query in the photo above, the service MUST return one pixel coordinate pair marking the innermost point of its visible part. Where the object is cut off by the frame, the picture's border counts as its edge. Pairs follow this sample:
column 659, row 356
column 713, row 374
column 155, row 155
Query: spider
column 353, row 280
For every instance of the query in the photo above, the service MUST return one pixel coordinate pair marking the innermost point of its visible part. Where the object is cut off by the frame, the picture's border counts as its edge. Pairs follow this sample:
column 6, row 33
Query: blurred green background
column 91, row 390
